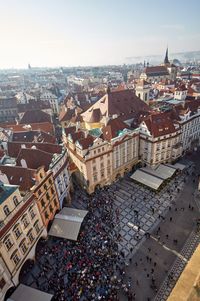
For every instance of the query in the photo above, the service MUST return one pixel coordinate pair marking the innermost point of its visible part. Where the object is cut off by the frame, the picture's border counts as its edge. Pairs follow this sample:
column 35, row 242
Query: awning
column 165, row 171
column 147, row 179
column 67, row 223
column 179, row 166
column 24, row 292
column 162, row 171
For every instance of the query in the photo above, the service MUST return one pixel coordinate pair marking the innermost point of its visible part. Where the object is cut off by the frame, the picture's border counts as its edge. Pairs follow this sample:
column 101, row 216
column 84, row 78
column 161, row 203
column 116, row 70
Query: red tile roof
column 24, row 177
column 15, row 147
column 34, row 158
column 111, row 130
column 35, row 116
column 44, row 126
column 125, row 104
column 70, row 130
column 33, row 105
column 33, row 136
column 156, row 70
column 77, row 136
column 86, row 142
column 161, row 124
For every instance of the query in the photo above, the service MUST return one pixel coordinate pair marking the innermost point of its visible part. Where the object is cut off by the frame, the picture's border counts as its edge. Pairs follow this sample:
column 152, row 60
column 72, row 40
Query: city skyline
column 81, row 33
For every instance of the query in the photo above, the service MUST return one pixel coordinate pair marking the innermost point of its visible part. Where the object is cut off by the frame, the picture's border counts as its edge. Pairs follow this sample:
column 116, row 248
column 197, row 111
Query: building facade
column 20, row 230
column 46, row 195
column 101, row 160
column 160, row 140
column 61, row 176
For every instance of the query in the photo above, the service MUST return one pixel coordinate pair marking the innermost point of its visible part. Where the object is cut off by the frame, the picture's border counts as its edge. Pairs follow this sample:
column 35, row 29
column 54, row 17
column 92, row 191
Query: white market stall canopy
column 147, row 179
column 165, row 171
column 179, row 166
column 154, row 177
column 24, row 292
column 67, row 223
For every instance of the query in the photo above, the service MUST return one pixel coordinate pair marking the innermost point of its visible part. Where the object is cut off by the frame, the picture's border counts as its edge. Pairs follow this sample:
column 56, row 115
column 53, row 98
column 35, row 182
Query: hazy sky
column 94, row 32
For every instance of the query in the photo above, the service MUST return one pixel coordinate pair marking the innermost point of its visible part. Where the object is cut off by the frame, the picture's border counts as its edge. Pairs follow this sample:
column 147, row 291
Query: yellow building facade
column 20, row 229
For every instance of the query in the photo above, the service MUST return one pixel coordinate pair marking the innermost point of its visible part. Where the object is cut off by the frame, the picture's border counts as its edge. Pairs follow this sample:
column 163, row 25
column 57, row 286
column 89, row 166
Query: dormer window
column 6, row 210
column 15, row 201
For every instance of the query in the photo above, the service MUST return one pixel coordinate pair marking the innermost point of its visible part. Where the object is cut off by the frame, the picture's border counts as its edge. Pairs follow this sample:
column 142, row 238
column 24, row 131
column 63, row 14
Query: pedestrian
column 136, row 264
column 170, row 219
column 167, row 236
column 155, row 264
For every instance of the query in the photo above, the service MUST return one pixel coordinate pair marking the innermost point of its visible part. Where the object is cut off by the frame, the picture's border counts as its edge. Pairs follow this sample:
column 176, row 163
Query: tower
column 142, row 90
column 166, row 60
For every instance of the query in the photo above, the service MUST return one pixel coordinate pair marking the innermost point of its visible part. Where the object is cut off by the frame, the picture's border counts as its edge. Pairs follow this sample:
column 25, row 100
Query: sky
column 94, row 32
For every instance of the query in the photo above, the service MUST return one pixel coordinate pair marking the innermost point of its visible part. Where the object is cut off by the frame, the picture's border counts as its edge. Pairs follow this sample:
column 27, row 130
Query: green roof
column 5, row 191
column 95, row 132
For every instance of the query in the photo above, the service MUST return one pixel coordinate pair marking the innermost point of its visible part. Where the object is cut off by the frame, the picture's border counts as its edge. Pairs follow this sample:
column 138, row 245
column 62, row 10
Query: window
column 36, row 226
column 15, row 201
column 108, row 171
column 99, row 150
column 108, row 162
column 102, row 174
column 6, row 210
column 93, row 161
column 17, row 232
column 52, row 190
column 45, row 186
column 25, row 221
column 102, row 166
column 55, row 202
column 94, row 152
column 39, row 192
column 94, row 168
column 2, row 283
column 47, row 196
column 51, row 208
column 50, row 181
column 8, row 244
column 42, row 203
column 32, row 213
column 101, row 158
column 30, row 235
column 46, row 215
column 15, row 257
column 41, row 176
column 108, row 155
column 23, row 246
column 102, row 149
column 95, row 178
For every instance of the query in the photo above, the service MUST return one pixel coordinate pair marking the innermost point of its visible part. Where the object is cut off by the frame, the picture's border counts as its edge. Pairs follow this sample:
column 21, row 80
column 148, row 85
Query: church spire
column 166, row 60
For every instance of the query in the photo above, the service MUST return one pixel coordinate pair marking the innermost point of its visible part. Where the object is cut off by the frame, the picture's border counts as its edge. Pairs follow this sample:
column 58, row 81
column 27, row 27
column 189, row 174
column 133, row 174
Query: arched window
column 15, row 200
column 6, row 210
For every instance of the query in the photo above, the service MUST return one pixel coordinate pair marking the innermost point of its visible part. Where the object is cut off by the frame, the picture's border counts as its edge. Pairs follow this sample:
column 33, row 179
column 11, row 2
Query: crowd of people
column 89, row 268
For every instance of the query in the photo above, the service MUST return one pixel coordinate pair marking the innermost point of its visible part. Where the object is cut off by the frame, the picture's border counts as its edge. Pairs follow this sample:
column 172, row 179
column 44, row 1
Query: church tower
column 166, row 60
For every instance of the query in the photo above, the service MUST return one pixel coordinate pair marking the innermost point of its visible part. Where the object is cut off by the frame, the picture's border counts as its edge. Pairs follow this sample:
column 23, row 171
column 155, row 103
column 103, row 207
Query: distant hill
column 183, row 57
